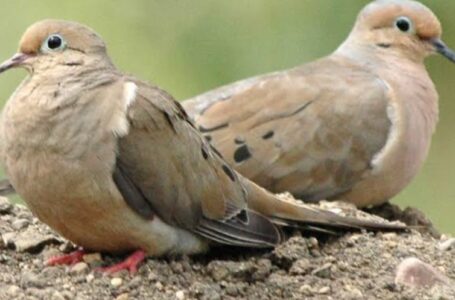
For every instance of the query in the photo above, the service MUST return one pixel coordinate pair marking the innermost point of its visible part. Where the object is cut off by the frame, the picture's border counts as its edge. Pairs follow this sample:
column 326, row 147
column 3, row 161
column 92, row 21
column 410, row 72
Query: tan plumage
column 353, row 126
column 114, row 164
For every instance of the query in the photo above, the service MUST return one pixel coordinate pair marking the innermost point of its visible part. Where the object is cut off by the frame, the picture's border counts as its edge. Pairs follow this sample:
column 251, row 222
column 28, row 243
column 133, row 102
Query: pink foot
column 129, row 264
column 66, row 259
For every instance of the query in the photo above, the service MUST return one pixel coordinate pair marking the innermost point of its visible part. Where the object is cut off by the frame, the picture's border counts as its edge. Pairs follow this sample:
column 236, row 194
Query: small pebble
column 13, row 290
column 354, row 292
column 306, row 289
column 116, row 281
column 90, row 277
column 353, row 239
column 5, row 205
column 386, row 255
column 313, row 242
column 159, row 286
column 123, row 296
column 32, row 241
column 57, row 296
column 324, row 271
column 343, row 266
column 152, row 276
column 79, row 267
column 20, row 224
column 301, row 267
column 29, row 279
column 92, row 258
column 324, row 290
column 8, row 239
column 447, row 245
column 391, row 244
column 413, row 272
column 180, row 295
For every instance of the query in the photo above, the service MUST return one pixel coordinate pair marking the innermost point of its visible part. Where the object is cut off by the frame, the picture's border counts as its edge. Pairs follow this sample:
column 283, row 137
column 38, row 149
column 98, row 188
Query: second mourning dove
column 113, row 163
column 353, row 126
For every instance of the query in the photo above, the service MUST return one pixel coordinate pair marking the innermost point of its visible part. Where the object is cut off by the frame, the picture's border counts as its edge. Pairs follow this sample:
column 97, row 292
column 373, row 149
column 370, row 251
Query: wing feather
column 304, row 130
column 166, row 167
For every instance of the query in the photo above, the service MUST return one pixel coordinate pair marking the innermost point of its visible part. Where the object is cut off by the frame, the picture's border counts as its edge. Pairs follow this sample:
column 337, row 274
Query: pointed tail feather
column 296, row 214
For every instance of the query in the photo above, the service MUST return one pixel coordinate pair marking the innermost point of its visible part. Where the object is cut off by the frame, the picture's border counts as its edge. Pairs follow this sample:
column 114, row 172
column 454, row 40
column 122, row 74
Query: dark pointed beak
column 17, row 60
column 442, row 49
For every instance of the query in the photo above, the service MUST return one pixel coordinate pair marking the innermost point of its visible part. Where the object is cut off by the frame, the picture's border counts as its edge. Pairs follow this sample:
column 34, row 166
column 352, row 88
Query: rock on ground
column 359, row 265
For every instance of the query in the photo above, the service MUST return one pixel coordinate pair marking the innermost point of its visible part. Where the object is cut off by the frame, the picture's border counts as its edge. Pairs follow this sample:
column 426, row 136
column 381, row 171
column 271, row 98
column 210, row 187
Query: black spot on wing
column 73, row 63
column 169, row 121
column 181, row 111
column 241, row 154
column 229, row 172
column 208, row 138
column 268, row 135
column 384, row 45
column 243, row 216
column 205, row 155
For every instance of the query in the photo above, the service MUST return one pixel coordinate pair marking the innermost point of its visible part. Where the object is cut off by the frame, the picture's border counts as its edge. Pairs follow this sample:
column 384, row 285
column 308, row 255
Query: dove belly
column 88, row 210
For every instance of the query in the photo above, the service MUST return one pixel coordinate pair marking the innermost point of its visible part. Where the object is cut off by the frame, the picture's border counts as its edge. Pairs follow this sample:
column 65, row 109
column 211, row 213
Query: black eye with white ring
column 54, row 42
column 403, row 24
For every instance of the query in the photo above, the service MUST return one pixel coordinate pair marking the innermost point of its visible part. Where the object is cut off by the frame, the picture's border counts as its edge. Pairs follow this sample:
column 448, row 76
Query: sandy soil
column 358, row 265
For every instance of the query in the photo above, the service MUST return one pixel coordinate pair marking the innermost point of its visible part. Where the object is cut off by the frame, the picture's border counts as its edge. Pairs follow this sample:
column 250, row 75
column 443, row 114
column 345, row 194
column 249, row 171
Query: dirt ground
column 358, row 265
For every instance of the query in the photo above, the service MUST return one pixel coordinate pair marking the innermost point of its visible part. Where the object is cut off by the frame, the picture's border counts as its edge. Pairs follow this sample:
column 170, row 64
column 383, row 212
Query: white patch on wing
column 129, row 93
column 392, row 114
column 120, row 120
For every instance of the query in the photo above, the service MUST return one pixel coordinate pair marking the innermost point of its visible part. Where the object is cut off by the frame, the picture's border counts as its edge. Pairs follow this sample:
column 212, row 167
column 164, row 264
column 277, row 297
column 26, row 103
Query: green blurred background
column 190, row 46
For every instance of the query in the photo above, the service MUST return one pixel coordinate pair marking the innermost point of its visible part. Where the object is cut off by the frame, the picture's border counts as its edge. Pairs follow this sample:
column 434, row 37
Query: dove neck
column 52, row 69
column 371, row 52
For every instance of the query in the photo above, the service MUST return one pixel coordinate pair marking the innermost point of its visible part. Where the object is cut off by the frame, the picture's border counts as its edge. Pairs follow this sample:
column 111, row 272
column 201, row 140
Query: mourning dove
column 353, row 126
column 113, row 163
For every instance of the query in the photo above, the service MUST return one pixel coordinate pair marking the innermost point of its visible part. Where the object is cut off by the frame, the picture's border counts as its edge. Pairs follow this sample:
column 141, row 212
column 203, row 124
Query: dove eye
column 53, row 42
column 403, row 24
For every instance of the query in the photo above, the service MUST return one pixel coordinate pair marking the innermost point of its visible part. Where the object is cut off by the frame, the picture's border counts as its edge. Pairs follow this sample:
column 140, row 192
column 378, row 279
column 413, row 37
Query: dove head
column 402, row 27
column 54, row 43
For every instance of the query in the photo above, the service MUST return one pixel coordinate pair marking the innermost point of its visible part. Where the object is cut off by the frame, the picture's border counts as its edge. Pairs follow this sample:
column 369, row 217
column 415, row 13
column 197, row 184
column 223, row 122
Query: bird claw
column 66, row 259
column 131, row 263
